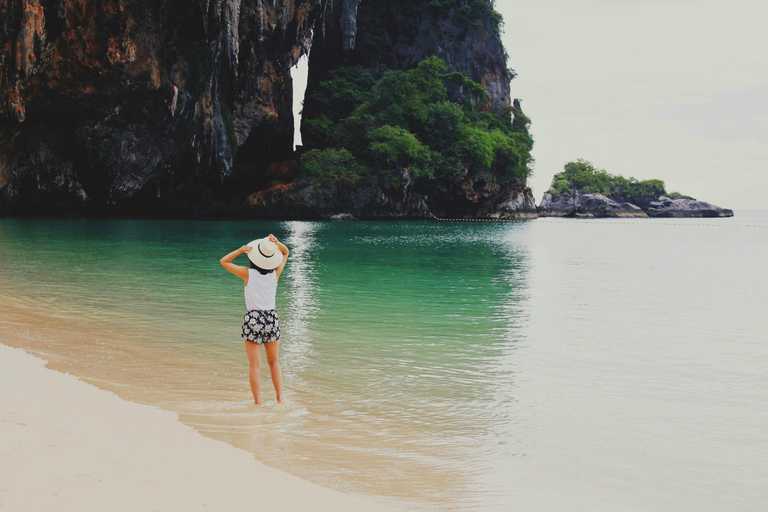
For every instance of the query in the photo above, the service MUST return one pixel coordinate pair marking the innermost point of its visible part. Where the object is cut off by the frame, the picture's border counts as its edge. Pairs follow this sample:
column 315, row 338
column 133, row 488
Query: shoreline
column 68, row 445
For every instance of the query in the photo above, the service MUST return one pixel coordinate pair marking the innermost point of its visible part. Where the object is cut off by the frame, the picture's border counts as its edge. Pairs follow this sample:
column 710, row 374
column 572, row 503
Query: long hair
column 261, row 270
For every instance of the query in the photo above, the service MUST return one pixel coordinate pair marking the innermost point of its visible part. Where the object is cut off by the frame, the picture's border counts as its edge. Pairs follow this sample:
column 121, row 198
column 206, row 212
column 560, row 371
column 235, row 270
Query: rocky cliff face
column 132, row 104
column 379, row 198
column 398, row 34
column 186, row 106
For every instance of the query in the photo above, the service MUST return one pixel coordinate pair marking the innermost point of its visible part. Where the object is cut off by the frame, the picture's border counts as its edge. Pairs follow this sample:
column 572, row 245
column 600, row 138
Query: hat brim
column 262, row 261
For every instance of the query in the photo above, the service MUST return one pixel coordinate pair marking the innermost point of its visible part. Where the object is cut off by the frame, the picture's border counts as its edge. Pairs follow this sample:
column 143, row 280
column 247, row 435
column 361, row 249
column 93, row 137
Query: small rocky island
column 581, row 190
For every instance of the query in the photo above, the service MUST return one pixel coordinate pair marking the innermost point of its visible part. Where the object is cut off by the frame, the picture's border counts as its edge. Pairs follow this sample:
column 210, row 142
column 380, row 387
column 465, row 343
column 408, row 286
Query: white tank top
column 260, row 290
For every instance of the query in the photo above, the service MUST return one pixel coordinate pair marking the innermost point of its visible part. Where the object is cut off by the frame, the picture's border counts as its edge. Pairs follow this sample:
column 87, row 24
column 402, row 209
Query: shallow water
column 548, row 365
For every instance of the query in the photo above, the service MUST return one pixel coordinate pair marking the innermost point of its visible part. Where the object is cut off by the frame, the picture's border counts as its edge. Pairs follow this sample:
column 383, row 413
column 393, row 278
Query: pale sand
column 66, row 445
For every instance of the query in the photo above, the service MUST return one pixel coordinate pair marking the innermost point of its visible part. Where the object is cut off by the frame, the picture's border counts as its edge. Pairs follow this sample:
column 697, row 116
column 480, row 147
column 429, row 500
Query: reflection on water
column 299, row 288
column 546, row 366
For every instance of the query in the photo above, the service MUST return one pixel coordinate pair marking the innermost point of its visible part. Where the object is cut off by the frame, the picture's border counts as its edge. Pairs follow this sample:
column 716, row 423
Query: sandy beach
column 67, row 445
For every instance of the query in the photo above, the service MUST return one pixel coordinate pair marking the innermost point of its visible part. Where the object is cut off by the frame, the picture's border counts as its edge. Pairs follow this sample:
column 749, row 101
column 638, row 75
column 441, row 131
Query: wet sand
column 206, row 388
column 68, row 445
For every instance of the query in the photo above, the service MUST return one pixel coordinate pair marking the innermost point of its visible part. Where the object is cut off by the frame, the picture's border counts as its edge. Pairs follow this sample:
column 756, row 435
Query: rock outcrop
column 685, row 207
column 514, row 200
column 369, row 198
column 581, row 205
column 378, row 198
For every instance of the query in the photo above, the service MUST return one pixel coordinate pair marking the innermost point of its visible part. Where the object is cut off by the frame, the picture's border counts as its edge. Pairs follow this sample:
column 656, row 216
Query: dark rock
column 556, row 206
column 596, row 205
column 369, row 198
column 349, row 24
column 685, row 207
column 515, row 201
column 601, row 206
column 381, row 198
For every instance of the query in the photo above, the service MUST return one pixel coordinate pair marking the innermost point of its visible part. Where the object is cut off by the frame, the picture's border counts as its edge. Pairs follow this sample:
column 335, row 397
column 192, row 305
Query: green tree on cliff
column 409, row 119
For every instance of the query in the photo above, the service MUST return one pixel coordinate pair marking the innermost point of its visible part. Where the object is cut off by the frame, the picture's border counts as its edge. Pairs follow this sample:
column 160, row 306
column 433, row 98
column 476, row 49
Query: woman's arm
column 241, row 272
column 284, row 250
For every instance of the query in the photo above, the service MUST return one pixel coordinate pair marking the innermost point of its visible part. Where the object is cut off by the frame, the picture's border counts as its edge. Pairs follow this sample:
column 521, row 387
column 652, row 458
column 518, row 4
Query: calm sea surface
column 553, row 365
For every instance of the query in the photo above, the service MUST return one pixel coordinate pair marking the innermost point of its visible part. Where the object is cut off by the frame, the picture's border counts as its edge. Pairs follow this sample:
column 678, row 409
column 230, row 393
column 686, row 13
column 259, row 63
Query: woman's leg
column 254, row 361
column 274, row 368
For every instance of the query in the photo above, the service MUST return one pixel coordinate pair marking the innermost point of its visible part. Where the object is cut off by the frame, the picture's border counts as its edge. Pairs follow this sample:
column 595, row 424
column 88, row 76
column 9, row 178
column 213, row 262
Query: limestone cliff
column 126, row 104
column 397, row 35
column 185, row 106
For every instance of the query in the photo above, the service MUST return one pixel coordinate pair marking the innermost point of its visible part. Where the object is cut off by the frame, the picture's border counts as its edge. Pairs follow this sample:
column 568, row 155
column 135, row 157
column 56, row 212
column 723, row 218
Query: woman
column 261, row 325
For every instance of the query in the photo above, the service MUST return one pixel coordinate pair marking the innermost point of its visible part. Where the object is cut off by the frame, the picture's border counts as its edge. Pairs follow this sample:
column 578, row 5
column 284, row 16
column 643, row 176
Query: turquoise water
column 550, row 365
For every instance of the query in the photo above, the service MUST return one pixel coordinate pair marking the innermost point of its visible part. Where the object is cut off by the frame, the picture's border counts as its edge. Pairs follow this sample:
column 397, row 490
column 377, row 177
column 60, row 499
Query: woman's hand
column 273, row 238
column 245, row 249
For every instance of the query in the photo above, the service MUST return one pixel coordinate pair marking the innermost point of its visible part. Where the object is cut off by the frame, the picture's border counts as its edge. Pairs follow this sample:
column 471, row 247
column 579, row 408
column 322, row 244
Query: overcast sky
column 669, row 89
column 672, row 89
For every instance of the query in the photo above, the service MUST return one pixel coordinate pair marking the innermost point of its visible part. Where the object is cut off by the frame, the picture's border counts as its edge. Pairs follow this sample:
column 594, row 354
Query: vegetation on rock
column 331, row 163
column 389, row 120
column 583, row 176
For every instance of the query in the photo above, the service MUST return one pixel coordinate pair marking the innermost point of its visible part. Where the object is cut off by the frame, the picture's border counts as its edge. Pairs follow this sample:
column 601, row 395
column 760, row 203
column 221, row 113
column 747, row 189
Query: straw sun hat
column 264, row 254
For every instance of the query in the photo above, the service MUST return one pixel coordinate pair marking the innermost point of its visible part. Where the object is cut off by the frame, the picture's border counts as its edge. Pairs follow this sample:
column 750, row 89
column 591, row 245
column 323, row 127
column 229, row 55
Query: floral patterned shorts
column 261, row 326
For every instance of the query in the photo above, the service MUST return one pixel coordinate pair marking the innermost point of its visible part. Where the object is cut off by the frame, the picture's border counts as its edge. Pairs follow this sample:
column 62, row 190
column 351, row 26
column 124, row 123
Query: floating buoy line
column 550, row 220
